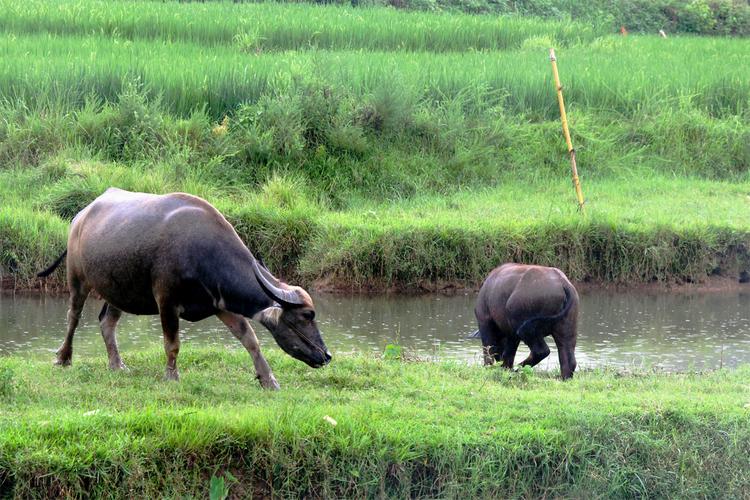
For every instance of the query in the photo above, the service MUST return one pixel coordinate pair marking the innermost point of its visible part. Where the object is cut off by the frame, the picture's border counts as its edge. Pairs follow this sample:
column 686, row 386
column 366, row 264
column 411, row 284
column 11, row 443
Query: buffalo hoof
column 172, row 375
column 63, row 362
column 117, row 366
column 270, row 383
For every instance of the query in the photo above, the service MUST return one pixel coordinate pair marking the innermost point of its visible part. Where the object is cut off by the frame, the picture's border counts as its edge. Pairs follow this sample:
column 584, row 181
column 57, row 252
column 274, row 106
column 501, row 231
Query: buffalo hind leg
column 108, row 319
column 241, row 329
column 539, row 351
column 170, row 325
column 78, row 295
column 566, row 354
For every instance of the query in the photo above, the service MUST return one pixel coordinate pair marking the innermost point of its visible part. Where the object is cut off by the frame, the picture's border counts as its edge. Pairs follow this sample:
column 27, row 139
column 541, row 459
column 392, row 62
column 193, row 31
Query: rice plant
column 627, row 76
column 272, row 26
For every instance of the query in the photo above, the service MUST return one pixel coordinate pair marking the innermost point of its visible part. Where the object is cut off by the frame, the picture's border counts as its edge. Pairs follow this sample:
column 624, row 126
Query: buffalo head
column 292, row 323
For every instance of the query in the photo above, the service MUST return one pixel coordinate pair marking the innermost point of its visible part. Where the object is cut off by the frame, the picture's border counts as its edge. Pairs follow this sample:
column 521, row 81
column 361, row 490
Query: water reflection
column 670, row 331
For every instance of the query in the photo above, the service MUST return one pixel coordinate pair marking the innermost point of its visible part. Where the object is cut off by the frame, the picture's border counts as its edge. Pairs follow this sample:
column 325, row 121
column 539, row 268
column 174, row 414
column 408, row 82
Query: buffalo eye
column 309, row 315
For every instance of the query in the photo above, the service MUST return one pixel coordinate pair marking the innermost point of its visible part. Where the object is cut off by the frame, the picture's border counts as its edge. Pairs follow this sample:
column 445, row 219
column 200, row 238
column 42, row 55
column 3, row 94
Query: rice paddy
column 622, row 76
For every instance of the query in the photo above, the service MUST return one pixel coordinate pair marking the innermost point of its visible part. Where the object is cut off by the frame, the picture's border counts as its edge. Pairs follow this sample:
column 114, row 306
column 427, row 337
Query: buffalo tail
column 50, row 269
column 531, row 327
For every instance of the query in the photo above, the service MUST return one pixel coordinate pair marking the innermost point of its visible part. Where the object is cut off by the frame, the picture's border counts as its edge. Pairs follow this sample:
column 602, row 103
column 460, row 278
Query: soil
column 708, row 285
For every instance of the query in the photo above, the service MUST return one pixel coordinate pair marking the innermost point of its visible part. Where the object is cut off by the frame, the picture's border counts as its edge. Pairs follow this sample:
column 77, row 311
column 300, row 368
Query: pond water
column 634, row 330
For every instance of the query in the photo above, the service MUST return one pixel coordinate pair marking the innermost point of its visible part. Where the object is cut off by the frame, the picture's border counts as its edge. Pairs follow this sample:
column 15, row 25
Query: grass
column 263, row 27
column 377, row 149
column 626, row 76
column 380, row 155
column 724, row 17
column 85, row 431
column 631, row 234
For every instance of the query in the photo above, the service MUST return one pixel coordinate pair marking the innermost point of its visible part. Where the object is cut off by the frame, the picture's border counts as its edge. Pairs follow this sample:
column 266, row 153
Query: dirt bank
column 712, row 284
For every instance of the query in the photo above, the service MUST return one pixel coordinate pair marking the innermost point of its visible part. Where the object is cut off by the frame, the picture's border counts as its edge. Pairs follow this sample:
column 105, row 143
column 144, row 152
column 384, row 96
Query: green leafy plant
column 393, row 352
column 218, row 488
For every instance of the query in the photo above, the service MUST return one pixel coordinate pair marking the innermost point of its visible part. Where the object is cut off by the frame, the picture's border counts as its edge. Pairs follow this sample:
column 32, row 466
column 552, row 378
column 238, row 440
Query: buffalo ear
column 273, row 288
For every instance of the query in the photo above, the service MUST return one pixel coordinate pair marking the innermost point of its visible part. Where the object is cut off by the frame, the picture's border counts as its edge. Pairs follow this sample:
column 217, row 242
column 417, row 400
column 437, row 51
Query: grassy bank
column 631, row 234
column 466, row 430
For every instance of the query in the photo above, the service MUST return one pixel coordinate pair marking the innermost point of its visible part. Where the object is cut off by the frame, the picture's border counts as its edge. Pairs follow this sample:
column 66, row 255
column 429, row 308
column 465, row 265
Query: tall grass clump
column 28, row 135
column 29, row 241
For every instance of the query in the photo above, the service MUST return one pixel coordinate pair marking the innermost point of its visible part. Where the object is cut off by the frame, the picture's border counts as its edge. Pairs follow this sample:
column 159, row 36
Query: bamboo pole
column 566, row 132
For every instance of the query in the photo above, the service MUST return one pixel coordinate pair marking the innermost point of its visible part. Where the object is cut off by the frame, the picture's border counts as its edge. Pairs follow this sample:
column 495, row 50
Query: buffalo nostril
column 328, row 356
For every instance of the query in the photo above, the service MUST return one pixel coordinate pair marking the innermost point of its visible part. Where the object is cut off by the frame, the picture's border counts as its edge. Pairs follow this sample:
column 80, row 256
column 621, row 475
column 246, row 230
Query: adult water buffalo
column 176, row 256
column 526, row 303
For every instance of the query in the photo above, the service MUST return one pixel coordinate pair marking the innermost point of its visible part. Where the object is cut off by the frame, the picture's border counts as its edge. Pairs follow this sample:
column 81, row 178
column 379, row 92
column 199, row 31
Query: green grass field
column 266, row 27
column 613, row 75
column 403, row 429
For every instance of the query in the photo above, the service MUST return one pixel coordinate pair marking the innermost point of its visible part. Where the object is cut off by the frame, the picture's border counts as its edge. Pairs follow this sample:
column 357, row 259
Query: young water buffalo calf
column 519, row 302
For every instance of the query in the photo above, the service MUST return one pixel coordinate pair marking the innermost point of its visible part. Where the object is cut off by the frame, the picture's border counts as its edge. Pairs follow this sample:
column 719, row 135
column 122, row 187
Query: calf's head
column 292, row 324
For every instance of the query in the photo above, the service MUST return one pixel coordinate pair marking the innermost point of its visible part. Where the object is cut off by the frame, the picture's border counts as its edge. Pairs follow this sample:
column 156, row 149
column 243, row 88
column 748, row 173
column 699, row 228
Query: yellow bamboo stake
column 566, row 132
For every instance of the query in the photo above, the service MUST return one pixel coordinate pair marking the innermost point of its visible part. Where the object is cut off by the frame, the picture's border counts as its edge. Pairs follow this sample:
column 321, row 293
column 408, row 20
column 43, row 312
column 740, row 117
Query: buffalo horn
column 271, row 286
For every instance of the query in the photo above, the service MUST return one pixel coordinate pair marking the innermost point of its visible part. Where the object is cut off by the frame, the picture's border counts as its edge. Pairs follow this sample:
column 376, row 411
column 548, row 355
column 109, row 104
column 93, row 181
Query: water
column 634, row 330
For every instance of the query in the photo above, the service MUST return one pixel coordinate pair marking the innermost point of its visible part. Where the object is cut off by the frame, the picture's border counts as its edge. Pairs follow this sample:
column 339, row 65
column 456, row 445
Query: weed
column 7, row 383
column 218, row 489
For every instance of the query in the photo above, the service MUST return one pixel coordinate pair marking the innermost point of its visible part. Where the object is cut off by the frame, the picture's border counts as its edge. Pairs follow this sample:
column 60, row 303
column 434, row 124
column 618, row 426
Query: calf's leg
column 509, row 353
column 108, row 319
column 566, row 346
column 241, row 329
column 539, row 351
column 493, row 343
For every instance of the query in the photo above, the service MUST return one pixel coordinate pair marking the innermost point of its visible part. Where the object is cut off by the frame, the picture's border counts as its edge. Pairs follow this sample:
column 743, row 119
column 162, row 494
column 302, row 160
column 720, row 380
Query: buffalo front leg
column 108, row 319
column 241, row 329
column 78, row 295
column 509, row 353
column 493, row 343
column 170, row 325
column 539, row 351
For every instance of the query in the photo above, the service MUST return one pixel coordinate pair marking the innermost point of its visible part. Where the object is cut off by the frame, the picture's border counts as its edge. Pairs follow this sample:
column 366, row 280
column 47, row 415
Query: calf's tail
column 532, row 327
column 50, row 269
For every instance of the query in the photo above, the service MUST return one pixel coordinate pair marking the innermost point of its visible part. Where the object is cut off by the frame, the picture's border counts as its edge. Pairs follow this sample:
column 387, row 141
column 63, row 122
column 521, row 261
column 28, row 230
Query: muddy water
column 636, row 330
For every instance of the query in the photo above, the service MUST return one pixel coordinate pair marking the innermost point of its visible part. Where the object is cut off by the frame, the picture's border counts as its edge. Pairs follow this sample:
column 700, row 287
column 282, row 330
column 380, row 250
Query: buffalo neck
column 230, row 279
